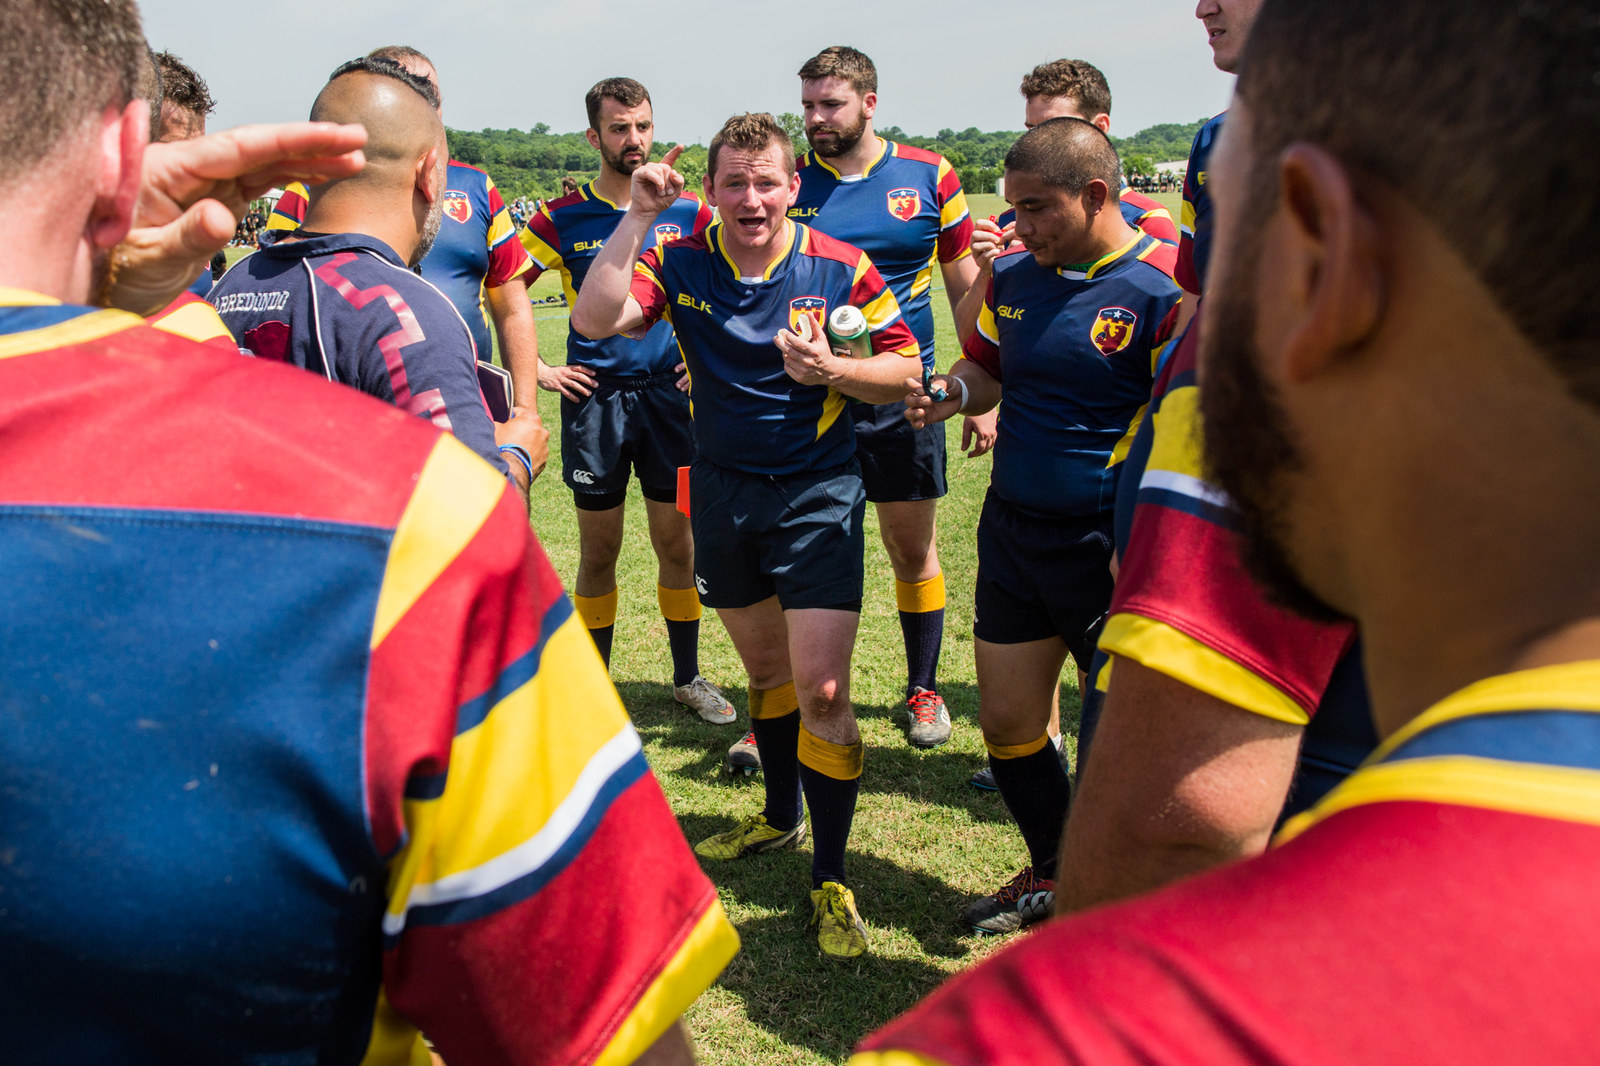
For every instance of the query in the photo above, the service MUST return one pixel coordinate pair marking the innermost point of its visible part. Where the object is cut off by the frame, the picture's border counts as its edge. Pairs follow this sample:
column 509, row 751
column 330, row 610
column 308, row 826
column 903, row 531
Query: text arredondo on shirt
column 253, row 301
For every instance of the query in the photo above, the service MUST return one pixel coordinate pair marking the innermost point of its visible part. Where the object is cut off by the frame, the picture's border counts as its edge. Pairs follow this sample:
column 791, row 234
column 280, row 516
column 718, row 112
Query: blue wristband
column 521, row 453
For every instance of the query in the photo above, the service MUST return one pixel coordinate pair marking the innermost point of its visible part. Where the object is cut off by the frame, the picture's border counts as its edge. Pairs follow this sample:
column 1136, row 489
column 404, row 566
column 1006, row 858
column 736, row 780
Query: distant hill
column 533, row 162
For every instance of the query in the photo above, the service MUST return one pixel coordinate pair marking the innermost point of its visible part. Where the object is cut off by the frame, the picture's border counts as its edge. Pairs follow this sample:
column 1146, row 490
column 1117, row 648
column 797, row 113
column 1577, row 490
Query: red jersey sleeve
column 502, row 810
column 983, row 346
column 648, row 288
column 955, row 221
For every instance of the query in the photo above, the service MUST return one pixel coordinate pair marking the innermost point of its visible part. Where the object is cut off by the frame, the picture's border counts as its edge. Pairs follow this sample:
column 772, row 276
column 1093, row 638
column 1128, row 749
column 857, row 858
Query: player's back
column 476, row 246
column 192, row 869
column 343, row 305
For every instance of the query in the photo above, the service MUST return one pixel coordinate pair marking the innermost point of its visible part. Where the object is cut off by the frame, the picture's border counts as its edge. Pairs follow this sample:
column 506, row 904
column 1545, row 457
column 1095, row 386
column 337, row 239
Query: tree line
column 532, row 162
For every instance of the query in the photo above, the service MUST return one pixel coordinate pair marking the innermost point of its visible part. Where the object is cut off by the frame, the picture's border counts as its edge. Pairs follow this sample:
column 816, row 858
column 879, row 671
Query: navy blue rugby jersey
column 1075, row 350
column 345, row 306
column 906, row 211
column 749, row 415
column 568, row 234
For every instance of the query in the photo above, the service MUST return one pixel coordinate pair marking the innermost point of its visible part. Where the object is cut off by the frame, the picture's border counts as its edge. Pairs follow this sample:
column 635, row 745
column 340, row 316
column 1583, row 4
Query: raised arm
column 604, row 308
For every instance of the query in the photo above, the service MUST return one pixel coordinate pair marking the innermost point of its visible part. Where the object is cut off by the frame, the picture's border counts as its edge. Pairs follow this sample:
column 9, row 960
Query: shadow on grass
column 785, row 983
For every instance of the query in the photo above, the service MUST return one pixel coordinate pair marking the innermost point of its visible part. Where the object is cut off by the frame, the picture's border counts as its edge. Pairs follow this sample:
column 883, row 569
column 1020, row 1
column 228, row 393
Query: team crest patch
column 806, row 305
column 457, row 206
column 667, row 232
column 904, row 204
column 1113, row 329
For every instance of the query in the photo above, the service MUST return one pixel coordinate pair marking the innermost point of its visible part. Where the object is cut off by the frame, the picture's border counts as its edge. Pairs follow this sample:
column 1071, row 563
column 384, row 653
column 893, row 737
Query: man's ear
column 1328, row 258
column 1095, row 194
column 794, row 187
column 427, row 176
column 594, row 138
column 123, row 136
column 869, row 104
column 1102, row 122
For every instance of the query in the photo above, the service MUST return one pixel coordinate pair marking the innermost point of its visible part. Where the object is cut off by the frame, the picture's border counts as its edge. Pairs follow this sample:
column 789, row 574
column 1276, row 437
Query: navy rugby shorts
column 797, row 537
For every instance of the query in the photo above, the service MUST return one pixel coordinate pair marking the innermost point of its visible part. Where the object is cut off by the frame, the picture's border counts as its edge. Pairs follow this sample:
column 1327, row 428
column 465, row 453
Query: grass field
column 924, row 842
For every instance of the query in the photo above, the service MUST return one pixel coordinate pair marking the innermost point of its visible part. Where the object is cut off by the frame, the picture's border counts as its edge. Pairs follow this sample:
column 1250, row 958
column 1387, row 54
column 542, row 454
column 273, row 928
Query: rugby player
column 904, row 207
column 624, row 403
column 1067, row 336
column 258, row 691
column 776, row 492
column 1410, row 432
column 1064, row 88
column 185, row 100
column 476, row 260
column 1212, row 714
column 339, row 299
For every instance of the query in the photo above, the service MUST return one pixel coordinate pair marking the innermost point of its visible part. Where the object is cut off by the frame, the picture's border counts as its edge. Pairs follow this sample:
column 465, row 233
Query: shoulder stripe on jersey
column 1555, row 792
column 1570, row 686
column 520, row 872
column 517, row 673
column 1171, row 482
column 1549, row 738
column 456, row 492
column 1449, row 764
column 198, row 321
column 1189, row 505
column 39, row 328
column 1160, row 647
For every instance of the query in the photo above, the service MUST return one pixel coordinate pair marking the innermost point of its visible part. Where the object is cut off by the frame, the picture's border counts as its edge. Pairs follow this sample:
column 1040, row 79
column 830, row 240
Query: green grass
column 924, row 841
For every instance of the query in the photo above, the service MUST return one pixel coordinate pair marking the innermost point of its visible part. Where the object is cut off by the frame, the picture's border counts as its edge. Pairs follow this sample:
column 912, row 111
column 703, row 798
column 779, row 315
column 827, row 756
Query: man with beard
column 1213, row 713
column 337, row 296
column 1410, row 432
column 904, row 207
column 476, row 260
column 1067, row 335
column 624, row 403
column 776, row 488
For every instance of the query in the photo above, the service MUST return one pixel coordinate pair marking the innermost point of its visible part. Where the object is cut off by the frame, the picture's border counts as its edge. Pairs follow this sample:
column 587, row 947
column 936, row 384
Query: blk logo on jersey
column 457, row 206
column 667, row 232
column 1113, row 329
column 904, row 204
column 806, row 305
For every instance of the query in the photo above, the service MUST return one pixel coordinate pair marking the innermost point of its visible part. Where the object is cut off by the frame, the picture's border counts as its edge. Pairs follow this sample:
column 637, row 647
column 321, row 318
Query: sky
column 505, row 65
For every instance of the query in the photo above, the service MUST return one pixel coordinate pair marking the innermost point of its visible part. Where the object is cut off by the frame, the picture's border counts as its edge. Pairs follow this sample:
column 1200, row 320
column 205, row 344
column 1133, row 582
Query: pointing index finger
column 672, row 155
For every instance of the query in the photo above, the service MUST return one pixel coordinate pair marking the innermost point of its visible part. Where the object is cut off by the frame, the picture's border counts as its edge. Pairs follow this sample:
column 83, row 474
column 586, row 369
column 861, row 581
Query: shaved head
column 401, row 125
column 407, row 158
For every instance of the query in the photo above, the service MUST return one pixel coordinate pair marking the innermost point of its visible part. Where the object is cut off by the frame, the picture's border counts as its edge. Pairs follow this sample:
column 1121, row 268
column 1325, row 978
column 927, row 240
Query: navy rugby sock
column 831, row 776
column 1035, row 788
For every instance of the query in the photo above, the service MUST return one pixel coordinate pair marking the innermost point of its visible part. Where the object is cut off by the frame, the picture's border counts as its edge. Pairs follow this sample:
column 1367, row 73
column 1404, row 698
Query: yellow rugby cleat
column 750, row 836
column 840, row 932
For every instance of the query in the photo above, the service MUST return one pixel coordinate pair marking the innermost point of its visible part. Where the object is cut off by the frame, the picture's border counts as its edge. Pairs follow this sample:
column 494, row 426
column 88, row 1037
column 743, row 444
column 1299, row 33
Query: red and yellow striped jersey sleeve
column 872, row 294
column 190, row 316
column 507, row 257
column 536, row 871
column 1184, row 604
column 955, row 221
column 290, row 210
column 542, row 243
column 647, row 287
column 983, row 346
